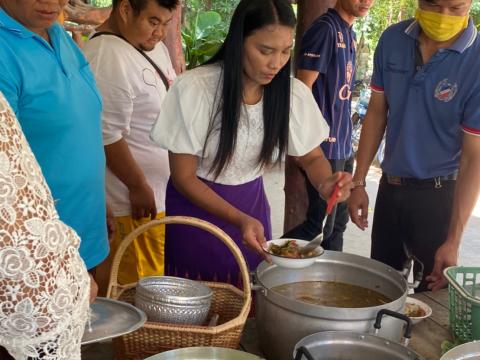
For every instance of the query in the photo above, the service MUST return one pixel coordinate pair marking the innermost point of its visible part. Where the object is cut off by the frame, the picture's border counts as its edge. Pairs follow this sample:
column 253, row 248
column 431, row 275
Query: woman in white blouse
column 223, row 124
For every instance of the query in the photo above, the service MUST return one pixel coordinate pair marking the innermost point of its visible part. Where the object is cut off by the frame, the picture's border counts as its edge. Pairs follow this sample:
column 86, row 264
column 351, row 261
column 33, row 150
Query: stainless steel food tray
column 204, row 353
column 111, row 318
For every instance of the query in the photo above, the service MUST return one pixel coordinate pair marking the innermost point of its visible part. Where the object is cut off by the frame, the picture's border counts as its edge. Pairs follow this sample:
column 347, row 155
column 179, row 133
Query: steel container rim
column 201, row 294
column 331, row 338
column 333, row 258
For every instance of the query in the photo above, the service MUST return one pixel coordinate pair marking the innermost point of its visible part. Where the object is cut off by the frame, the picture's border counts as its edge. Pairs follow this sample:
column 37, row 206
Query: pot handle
column 409, row 266
column 254, row 283
column 302, row 350
column 408, row 328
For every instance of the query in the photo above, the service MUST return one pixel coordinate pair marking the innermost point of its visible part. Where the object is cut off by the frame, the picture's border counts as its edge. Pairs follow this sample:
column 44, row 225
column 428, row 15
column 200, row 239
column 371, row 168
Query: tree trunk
column 296, row 201
column 173, row 41
column 308, row 11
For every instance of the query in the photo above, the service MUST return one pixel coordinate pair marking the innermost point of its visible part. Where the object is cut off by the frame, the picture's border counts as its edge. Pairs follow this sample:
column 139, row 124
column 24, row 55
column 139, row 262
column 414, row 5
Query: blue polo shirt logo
column 445, row 91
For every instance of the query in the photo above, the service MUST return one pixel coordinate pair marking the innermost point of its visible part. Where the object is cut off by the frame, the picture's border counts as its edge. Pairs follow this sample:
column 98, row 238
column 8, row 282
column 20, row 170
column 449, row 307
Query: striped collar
column 466, row 39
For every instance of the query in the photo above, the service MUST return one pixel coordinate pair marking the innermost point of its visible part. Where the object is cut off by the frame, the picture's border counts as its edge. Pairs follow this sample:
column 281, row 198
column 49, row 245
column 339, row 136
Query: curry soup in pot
column 332, row 294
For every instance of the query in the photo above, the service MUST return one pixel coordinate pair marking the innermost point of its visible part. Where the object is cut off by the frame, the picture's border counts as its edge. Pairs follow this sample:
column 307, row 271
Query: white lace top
column 182, row 126
column 44, row 285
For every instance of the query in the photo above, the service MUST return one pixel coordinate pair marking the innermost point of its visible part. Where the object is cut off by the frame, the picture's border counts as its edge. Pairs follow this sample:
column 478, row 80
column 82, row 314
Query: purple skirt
column 196, row 254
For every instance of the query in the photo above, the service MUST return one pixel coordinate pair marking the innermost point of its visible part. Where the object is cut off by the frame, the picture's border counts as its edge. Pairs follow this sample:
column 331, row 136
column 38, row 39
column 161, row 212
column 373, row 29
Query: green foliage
column 475, row 12
column 387, row 12
column 383, row 14
column 205, row 27
column 224, row 7
column 101, row 3
column 202, row 37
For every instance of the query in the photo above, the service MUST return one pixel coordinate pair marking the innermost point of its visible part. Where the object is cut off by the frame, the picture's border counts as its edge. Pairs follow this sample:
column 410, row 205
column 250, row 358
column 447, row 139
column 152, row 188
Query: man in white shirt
column 133, row 71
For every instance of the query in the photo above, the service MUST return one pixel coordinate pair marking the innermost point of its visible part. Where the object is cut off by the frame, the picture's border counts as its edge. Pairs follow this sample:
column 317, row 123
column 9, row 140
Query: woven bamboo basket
column 230, row 303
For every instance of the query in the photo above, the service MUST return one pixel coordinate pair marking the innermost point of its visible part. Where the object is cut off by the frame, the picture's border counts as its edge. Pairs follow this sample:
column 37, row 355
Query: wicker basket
column 231, row 304
column 464, row 300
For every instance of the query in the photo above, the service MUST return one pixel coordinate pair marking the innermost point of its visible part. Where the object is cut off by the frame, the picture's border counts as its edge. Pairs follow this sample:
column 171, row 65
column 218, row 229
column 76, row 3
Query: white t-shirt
column 132, row 94
column 182, row 126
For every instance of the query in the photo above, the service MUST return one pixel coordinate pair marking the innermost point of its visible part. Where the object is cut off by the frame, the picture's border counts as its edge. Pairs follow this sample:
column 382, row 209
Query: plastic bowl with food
column 284, row 253
column 417, row 310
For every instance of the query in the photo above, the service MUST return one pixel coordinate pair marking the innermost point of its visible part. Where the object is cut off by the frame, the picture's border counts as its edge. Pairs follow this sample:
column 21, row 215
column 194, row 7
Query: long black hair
column 251, row 15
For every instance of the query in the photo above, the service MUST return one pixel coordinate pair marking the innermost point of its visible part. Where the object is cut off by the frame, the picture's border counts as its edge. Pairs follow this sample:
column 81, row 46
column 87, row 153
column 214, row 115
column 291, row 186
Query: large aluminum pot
column 283, row 321
column 204, row 353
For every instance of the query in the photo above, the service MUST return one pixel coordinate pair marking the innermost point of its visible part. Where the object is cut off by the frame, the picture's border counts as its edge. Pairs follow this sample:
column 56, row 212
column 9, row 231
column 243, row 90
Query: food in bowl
column 333, row 294
column 417, row 310
column 414, row 310
column 291, row 262
column 289, row 249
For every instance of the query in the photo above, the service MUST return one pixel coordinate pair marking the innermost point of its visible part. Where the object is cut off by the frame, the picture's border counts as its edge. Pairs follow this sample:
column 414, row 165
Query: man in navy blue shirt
column 426, row 89
column 326, row 64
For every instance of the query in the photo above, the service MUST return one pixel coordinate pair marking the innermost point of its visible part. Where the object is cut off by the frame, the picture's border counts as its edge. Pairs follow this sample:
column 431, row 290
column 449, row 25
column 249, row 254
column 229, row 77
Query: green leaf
column 449, row 345
column 207, row 20
column 209, row 48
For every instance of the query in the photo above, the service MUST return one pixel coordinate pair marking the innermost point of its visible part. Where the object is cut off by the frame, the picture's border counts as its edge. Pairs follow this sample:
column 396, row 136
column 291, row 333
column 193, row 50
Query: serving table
column 427, row 336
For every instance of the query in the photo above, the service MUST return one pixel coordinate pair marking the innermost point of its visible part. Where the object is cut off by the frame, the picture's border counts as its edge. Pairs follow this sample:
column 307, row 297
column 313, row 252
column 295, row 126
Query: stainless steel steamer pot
column 282, row 321
column 341, row 345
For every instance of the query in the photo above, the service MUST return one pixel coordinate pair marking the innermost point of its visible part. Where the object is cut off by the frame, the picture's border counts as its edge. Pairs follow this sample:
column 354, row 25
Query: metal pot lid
column 338, row 345
column 204, row 353
column 111, row 318
column 468, row 351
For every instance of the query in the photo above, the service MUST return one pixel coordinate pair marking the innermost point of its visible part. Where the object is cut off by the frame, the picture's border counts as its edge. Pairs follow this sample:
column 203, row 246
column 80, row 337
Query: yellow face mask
column 440, row 27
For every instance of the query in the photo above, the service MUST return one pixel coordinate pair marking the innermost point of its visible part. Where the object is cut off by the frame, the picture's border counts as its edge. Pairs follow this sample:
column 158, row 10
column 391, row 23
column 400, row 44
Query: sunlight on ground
column 476, row 210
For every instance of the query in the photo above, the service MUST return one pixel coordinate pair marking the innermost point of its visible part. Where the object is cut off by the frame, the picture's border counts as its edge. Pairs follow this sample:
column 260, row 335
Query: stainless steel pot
column 340, row 345
column 467, row 351
column 283, row 321
column 204, row 353
column 173, row 300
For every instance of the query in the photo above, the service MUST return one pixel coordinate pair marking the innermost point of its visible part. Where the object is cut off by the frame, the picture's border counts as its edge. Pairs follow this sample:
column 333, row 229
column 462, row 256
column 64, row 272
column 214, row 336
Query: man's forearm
column 466, row 191
column 122, row 164
column 373, row 130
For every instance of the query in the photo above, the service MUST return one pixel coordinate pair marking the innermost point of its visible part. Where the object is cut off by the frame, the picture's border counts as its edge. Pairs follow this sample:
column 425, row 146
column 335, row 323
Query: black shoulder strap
column 149, row 59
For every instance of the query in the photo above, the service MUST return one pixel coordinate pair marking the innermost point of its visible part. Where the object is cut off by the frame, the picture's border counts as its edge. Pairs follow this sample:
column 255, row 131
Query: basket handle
column 114, row 288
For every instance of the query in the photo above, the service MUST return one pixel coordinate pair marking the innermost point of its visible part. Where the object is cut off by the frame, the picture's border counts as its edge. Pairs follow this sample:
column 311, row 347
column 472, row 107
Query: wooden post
column 296, row 201
column 173, row 41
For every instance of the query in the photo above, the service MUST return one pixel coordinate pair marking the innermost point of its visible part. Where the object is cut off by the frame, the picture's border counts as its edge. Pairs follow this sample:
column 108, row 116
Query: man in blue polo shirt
column 427, row 99
column 326, row 64
column 48, row 83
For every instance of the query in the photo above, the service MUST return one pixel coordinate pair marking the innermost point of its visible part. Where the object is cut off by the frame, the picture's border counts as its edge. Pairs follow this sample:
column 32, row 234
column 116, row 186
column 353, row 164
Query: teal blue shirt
column 53, row 93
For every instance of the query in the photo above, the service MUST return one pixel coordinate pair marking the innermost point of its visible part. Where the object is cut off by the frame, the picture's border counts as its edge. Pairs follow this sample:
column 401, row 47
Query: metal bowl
column 173, row 300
